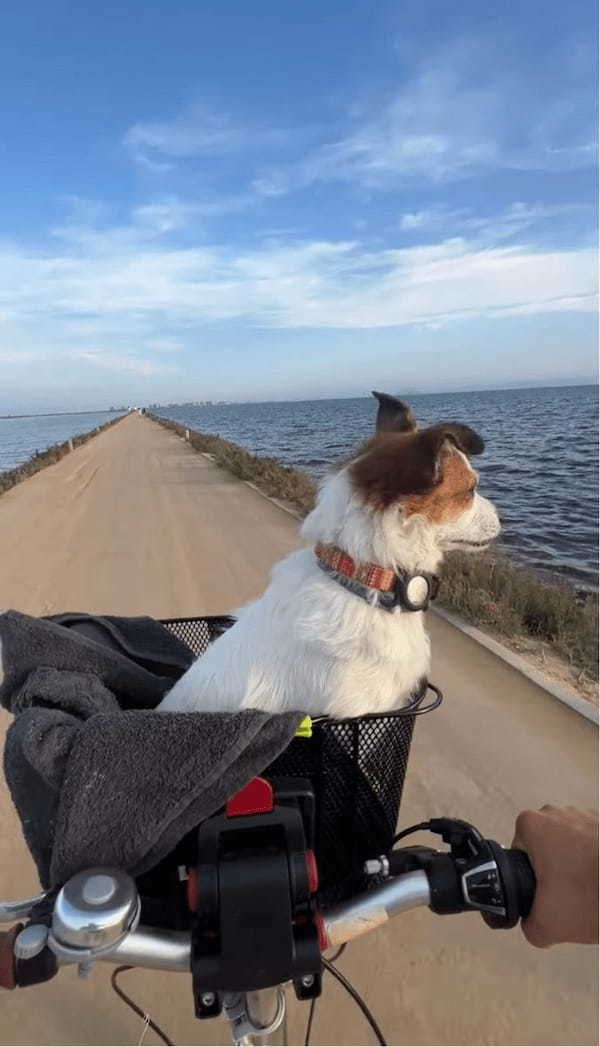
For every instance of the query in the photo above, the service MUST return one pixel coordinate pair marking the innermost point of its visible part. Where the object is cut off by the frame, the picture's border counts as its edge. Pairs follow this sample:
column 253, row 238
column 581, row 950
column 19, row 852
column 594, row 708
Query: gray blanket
column 96, row 776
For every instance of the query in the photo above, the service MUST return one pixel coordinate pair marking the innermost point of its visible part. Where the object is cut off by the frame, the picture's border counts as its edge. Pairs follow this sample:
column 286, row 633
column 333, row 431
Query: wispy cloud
column 137, row 303
column 126, row 363
column 461, row 112
column 198, row 131
column 445, row 124
column 164, row 216
column 489, row 229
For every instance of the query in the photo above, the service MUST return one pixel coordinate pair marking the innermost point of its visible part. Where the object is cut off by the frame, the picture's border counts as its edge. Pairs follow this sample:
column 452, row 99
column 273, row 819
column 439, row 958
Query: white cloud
column 415, row 219
column 164, row 216
column 445, row 123
column 515, row 219
column 464, row 111
column 489, row 228
column 270, row 186
column 135, row 304
column 197, row 131
column 157, row 167
column 432, row 217
column 120, row 362
column 148, row 222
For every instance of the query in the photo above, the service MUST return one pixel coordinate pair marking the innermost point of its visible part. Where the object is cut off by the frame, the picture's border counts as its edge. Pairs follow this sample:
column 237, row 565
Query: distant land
column 404, row 392
column 191, row 403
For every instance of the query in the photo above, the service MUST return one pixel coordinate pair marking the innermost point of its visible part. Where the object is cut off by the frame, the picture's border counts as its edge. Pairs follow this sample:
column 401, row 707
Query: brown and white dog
column 340, row 628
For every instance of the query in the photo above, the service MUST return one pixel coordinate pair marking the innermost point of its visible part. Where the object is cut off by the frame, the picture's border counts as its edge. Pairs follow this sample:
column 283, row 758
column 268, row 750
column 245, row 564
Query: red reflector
column 323, row 939
column 312, row 871
column 255, row 798
column 192, row 889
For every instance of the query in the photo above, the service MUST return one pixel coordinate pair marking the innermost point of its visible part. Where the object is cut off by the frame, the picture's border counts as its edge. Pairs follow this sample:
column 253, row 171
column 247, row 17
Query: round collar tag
column 416, row 592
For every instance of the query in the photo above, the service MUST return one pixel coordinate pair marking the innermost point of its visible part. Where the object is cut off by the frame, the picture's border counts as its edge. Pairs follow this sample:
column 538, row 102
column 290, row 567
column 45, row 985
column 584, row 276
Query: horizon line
column 312, row 399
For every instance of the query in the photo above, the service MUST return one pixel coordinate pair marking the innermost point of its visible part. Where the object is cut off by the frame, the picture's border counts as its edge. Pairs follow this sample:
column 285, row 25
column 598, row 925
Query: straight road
column 136, row 522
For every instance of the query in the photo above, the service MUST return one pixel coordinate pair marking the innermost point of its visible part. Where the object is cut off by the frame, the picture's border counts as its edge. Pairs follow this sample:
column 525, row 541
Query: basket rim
column 405, row 713
column 199, row 618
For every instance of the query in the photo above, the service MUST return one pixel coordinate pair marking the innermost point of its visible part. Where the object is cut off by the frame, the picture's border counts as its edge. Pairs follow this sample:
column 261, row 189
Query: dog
column 340, row 629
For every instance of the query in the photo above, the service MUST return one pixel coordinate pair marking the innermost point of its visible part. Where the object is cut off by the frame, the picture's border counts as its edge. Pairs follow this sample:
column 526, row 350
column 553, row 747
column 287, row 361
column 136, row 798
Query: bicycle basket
column 356, row 767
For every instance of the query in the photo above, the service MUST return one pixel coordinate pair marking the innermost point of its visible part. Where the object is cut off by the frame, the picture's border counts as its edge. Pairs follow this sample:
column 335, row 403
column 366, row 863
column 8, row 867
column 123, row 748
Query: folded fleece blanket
column 96, row 776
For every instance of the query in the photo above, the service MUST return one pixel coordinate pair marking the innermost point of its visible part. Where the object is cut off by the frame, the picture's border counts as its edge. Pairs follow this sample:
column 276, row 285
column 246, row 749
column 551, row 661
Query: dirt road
column 136, row 522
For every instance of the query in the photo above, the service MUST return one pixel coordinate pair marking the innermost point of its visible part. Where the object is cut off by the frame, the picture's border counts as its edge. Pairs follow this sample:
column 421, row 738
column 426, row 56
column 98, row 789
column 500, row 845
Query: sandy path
column 134, row 522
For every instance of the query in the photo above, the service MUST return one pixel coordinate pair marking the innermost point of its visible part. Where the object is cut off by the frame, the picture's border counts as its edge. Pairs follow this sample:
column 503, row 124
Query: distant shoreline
column 304, row 399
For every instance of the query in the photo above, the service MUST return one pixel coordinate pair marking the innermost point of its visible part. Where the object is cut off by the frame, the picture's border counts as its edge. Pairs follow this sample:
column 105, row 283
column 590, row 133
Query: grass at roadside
column 10, row 477
column 486, row 589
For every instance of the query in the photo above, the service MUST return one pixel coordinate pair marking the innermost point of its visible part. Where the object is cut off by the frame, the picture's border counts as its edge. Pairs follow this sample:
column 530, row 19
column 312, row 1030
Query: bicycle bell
column 93, row 913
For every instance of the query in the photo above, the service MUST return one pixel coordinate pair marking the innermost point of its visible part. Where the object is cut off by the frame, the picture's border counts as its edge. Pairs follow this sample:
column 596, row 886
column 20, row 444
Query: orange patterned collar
column 370, row 574
column 392, row 588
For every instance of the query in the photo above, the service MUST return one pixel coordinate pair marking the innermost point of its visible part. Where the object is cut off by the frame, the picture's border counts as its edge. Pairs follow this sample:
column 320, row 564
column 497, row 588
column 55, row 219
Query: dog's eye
column 473, row 488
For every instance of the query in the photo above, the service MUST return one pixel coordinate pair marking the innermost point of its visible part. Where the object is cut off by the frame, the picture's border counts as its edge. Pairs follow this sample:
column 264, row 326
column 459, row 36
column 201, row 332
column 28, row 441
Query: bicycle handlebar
column 513, row 876
column 502, row 881
column 171, row 950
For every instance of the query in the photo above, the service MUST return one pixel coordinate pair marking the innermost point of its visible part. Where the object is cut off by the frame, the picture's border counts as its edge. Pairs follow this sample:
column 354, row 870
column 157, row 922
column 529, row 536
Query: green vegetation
column 510, row 599
column 485, row 589
column 10, row 477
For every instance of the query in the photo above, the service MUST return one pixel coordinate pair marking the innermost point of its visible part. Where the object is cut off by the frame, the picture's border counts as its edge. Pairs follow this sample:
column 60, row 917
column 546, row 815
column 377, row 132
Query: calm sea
column 540, row 466
column 22, row 437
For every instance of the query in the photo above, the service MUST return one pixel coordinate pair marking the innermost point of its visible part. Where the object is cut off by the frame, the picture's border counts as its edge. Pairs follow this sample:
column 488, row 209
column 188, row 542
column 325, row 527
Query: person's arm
column 562, row 844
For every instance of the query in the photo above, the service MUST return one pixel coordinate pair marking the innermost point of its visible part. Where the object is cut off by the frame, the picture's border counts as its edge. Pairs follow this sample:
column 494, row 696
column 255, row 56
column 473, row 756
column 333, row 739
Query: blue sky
column 228, row 200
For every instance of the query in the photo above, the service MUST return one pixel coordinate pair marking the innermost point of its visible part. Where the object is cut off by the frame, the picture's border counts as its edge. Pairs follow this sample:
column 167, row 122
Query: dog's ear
column 393, row 415
column 395, row 465
column 467, row 441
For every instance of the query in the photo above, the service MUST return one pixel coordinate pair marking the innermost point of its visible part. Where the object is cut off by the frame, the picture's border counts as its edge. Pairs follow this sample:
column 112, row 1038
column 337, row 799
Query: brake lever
column 464, row 839
column 19, row 910
column 475, row 875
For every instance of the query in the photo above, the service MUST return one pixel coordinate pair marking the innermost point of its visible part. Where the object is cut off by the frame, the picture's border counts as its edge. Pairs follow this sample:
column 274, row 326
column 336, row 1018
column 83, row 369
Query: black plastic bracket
column 255, row 923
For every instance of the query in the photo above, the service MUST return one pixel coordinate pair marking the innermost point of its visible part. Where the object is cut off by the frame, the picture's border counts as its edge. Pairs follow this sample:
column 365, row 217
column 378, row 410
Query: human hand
column 562, row 845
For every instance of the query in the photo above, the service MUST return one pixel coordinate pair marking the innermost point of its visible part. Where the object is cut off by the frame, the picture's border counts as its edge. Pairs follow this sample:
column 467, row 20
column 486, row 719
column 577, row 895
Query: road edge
column 546, row 683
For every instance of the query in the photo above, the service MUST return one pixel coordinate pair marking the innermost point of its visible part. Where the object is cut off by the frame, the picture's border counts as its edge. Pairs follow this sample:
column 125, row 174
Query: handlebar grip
column 8, row 967
column 524, row 880
column 517, row 885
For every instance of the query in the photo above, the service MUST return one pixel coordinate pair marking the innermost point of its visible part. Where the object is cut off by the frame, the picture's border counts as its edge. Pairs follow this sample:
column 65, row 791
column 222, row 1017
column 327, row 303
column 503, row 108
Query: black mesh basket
column 357, row 768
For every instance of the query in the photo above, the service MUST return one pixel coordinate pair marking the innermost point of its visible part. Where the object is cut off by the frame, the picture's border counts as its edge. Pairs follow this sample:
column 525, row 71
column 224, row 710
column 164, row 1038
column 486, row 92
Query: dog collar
column 380, row 586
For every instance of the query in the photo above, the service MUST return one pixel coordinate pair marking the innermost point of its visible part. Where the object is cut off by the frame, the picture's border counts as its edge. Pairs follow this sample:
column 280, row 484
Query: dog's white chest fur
column 310, row 645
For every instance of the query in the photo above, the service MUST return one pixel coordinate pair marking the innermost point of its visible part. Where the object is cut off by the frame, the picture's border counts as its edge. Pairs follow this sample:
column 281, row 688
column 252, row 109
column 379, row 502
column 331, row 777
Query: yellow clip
column 304, row 729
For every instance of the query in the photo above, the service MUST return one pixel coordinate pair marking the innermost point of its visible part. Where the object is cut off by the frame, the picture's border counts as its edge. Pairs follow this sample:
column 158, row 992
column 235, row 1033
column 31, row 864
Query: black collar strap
column 399, row 596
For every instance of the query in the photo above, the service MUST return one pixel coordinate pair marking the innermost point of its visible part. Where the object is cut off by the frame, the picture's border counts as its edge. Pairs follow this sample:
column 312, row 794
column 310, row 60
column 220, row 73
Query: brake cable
column 350, row 989
column 313, row 1003
column 357, row 999
column 149, row 1023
